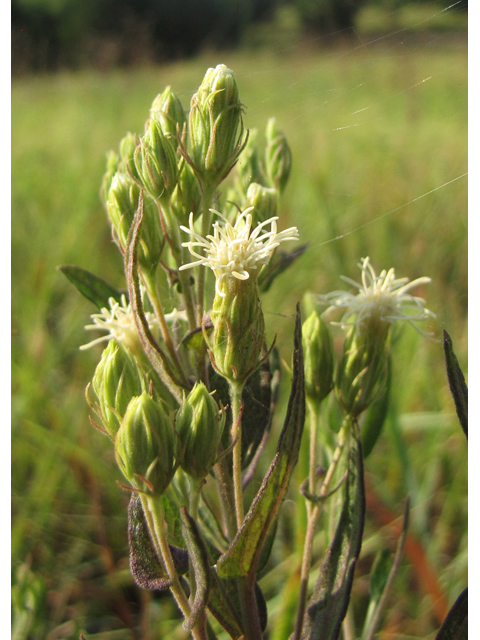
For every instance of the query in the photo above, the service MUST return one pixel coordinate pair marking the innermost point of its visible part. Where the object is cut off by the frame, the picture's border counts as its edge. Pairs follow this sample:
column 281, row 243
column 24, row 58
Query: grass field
column 378, row 135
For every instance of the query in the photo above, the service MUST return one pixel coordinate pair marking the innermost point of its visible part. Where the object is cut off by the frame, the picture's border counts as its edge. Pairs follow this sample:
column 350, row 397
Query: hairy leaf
column 331, row 595
column 456, row 382
column 198, row 556
column 91, row 286
column 145, row 566
column 455, row 625
column 243, row 556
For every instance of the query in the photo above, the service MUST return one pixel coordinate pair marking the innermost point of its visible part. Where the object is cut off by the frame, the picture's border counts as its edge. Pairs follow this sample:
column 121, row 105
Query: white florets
column 235, row 250
column 384, row 297
column 119, row 323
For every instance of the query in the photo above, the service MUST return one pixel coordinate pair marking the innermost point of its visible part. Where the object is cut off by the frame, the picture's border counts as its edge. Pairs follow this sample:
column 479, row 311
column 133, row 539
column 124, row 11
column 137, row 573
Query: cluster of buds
column 187, row 332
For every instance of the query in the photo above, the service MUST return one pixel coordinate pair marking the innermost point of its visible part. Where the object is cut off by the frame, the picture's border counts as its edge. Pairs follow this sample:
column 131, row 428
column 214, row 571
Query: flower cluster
column 382, row 297
column 236, row 250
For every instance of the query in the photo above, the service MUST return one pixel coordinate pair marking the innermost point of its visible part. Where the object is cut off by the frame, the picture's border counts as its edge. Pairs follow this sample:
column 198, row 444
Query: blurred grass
column 372, row 129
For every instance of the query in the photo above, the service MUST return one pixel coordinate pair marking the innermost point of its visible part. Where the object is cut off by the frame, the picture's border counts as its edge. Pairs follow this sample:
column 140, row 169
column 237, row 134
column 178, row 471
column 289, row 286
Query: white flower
column 235, row 251
column 384, row 297
column 119, row 322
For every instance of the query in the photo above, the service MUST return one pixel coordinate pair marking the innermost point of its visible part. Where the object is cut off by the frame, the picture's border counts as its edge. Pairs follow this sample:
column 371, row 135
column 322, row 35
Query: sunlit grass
column 373, row 131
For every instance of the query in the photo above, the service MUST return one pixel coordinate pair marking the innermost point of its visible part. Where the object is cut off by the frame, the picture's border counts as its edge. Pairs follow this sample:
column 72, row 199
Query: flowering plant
column 187, row 386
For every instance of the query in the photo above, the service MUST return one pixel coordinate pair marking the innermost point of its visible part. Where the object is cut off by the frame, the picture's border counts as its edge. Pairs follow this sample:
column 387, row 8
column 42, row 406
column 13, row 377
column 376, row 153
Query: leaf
column 243, row 556
column 92, row 287
column 281, row 260
column 456, row 381
column 145, row 566
column 198, row 555
column 331, row 595
column 223, row 607
column 455, row 625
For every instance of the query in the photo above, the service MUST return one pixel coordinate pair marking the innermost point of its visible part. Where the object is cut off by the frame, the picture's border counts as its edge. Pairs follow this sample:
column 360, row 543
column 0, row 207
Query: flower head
column 236, row 251
column 119, row 322
column 383, row 297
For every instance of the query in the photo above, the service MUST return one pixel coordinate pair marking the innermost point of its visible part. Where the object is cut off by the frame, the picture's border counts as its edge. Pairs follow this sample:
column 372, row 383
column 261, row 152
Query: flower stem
column 156, row 524
column 237, row 410
column 166, row 335
column 313, row 516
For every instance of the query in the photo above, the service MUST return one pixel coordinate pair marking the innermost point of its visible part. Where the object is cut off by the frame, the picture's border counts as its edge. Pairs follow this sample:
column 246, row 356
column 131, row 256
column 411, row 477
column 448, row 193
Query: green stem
column 156, row 524
column 237, row 410
column 249, row 608
column 226, row 495
column 166, row 335
column 312, row 522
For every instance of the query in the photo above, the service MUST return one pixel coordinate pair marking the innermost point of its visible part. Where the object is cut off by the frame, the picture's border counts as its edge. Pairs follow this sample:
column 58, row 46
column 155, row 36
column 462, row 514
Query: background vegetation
column 378, row 133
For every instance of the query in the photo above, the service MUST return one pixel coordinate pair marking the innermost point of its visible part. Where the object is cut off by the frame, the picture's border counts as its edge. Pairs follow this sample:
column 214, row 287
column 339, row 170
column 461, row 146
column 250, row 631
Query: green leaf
column 198, row 555
column 224, row 607
column 455, row 625
column 91, row 286
column 145, row 566
column 456, row 382
column 329, row 602
column 243, row 556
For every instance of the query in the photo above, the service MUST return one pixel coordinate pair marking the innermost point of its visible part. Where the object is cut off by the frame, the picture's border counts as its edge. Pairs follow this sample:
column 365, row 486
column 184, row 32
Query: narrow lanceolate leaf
column 329, row 603
column 145, row 566
column 157, row 357
column 281, row 260
column 91, row 286
column 455, row 626
column 223, row 607
column 244, row 554
column 456, row 382
column 198, row 555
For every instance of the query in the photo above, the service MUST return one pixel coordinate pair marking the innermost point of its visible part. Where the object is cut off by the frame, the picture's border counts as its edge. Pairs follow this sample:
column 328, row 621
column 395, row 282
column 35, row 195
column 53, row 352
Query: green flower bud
column 122, row 203
column 318, row 357
column 113, row 161
column 363, row 368
column 187, row 195
column 156, row 163
column 116, row 381
column 145, row 445
column 199, row 424
column 264, row 201
column 278, row 157
column 238, row 329
column 248, row 164
column 128, row 144
column 168, row 111
column 216, row 125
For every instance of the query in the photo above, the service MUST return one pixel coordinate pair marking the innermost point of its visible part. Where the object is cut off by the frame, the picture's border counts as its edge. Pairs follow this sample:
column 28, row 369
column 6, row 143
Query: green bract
column 156, row 163
column 238, row 329
column 278, row 157
column 264, row 200
column 168, row 111
column 145, row 444
column 116, row 381
column 216, row 125
column 199, row 424
column 319, row 359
